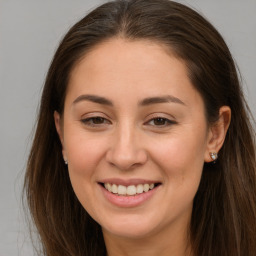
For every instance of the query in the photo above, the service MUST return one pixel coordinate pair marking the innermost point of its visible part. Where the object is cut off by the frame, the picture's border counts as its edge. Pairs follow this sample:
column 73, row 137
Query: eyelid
column 94, row 115
column 87, row 118
column 161, row 115
column 170, row 120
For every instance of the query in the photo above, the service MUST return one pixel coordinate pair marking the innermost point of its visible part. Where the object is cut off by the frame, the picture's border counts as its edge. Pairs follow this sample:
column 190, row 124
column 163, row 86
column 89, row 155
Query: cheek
column 84, row 156
column 84, row 153
column 181, row 154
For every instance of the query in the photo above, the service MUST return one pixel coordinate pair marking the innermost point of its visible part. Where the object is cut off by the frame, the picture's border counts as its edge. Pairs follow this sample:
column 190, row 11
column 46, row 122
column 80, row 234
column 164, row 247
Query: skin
column 129, row 142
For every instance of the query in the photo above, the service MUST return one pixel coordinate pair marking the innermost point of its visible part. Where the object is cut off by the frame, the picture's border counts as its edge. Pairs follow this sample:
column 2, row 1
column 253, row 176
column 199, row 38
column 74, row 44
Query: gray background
column 29, row 34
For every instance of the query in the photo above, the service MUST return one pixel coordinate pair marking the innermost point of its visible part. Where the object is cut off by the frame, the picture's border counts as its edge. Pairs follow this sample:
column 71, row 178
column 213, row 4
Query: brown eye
column 95, row 121
column 160, row 121
column 98, row 120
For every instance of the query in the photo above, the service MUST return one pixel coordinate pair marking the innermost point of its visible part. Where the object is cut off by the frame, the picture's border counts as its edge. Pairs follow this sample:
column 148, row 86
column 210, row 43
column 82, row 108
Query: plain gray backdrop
column 29, row 34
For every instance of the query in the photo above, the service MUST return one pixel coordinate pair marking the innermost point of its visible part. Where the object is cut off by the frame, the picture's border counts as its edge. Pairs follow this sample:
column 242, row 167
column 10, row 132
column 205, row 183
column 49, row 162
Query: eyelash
column 167, row 122
column 103, row 121
column 90, row 121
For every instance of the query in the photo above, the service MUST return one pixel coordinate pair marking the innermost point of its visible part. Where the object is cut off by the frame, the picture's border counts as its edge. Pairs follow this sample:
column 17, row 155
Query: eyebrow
column 161, row 99
column 144, row 102
column 93, row 98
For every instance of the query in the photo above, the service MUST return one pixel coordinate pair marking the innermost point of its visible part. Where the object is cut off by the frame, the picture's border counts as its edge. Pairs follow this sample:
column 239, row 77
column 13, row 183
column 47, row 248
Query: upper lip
column 128, row 182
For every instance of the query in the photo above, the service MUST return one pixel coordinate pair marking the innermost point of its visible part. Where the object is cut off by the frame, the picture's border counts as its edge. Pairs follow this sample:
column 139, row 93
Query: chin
column 130, row 232
column 128, row 227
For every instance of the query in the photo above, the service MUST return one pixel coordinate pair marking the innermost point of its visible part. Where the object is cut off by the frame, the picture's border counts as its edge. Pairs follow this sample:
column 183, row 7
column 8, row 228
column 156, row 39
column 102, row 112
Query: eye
column 95, row 121
column 160, row 122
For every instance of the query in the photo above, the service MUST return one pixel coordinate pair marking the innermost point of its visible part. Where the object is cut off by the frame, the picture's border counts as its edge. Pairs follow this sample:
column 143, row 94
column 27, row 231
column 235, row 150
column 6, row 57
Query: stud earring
column 214, row 156
column 65, row 161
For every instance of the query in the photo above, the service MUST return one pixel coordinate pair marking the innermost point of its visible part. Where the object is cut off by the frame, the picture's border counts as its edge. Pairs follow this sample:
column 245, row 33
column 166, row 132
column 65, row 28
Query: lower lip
column 128, row 201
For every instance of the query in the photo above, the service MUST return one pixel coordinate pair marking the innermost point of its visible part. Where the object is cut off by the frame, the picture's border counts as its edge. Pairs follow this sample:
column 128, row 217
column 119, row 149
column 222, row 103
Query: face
column 135, row 137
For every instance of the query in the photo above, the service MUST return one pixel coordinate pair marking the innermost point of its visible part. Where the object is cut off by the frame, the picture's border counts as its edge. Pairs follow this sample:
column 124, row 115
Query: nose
column 125, row 150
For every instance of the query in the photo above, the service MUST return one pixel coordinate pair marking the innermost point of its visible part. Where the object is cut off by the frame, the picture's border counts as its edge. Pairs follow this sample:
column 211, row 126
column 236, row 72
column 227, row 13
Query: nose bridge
column 125, row 150
column 126, row 136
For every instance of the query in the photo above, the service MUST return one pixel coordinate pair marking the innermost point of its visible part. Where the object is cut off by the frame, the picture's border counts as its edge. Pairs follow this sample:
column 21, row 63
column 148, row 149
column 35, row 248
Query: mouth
column 130, row 190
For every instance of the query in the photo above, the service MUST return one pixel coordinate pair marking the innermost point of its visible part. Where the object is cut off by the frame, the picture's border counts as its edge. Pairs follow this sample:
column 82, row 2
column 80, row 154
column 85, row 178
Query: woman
column 135, row 151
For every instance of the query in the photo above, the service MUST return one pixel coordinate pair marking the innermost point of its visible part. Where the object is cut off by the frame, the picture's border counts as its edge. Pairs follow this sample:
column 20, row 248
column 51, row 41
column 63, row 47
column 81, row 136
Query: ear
column 59, row 128
column 217, row 133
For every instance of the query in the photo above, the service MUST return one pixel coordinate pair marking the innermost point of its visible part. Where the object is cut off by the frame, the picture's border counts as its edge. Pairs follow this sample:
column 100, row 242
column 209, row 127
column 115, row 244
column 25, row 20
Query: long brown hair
column 224, row 213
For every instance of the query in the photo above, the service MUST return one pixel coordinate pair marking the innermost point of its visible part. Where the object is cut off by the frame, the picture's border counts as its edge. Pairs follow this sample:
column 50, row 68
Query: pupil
column 98, row 120
column 159, row 121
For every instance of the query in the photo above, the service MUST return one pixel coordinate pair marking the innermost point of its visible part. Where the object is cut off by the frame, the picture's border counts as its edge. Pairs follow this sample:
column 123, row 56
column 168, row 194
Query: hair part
column 224, row 213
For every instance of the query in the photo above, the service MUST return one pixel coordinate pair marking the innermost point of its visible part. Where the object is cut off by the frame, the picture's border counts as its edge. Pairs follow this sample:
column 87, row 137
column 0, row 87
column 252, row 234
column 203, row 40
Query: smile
column 128, row 193
column 131, row 190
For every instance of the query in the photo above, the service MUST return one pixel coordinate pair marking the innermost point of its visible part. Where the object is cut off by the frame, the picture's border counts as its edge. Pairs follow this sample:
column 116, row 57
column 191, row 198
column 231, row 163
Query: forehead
column 139, row 67
column 110, row 53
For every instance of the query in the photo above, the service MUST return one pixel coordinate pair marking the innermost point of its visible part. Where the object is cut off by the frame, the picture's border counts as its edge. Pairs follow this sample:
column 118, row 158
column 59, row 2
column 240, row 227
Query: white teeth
column 108, row 187
column 121, row 190
column 139, row 189
column 130, row 190
column 114, row 189
column 146, row 187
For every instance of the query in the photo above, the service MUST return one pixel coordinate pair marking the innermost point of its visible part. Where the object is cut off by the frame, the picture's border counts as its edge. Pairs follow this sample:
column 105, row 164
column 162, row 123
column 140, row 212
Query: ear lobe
column 217, row 133
column 57, row 121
